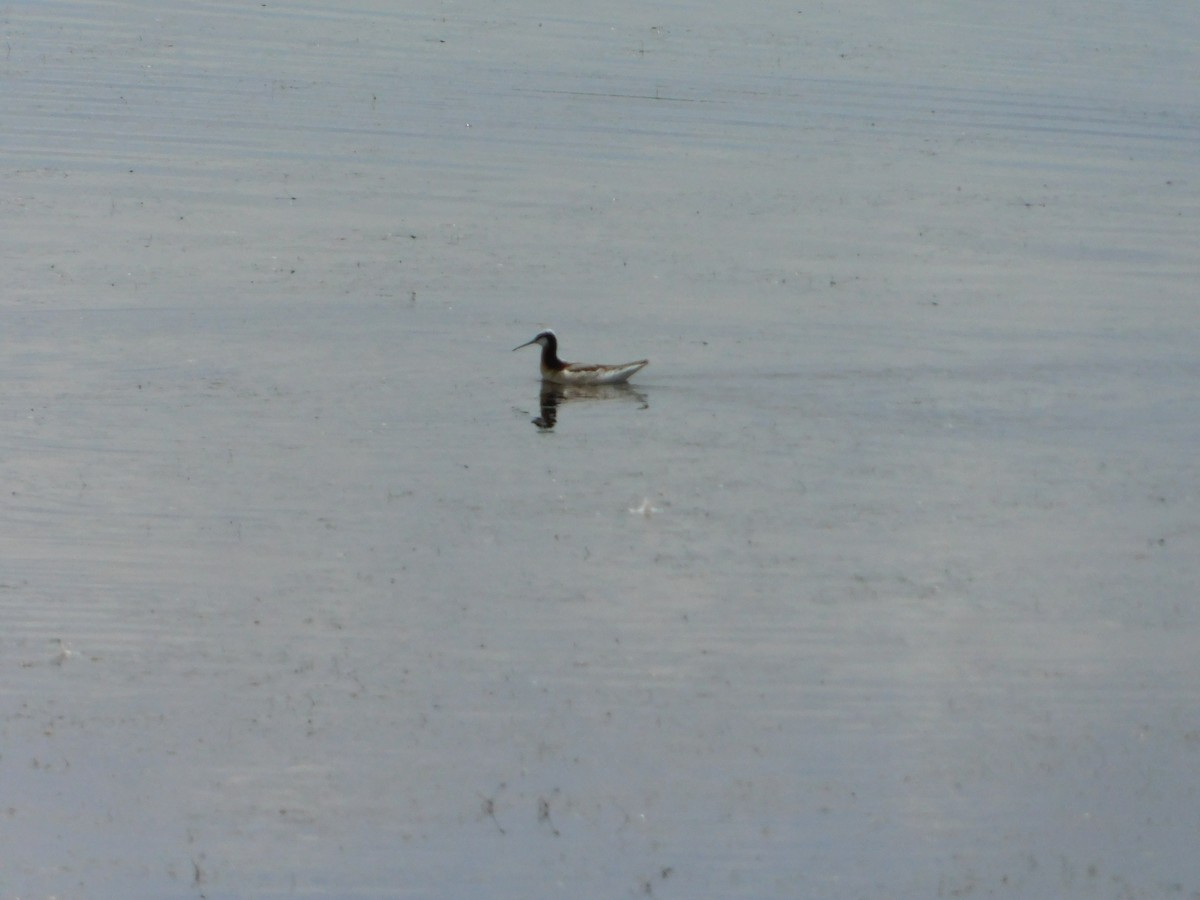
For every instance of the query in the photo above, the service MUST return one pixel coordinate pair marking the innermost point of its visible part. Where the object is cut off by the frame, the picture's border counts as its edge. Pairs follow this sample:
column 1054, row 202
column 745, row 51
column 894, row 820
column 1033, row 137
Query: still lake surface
column 880, row 581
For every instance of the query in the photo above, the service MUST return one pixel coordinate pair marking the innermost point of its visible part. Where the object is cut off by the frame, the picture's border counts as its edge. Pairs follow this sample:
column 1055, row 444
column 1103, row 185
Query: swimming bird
column 559, row 372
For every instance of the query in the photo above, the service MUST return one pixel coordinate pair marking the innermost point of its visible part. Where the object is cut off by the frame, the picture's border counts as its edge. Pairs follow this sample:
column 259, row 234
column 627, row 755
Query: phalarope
column 559, row 372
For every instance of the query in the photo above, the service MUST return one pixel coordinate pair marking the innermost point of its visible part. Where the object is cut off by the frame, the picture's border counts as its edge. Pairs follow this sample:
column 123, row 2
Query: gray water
column 880, row 581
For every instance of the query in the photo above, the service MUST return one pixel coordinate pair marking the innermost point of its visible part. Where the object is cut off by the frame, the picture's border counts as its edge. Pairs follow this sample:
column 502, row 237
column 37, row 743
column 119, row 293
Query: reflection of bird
column 559, row 372
column 553, row 395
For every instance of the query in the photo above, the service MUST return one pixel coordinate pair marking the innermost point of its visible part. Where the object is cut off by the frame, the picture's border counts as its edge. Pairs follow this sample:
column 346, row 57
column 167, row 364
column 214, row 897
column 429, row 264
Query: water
column 878, row 582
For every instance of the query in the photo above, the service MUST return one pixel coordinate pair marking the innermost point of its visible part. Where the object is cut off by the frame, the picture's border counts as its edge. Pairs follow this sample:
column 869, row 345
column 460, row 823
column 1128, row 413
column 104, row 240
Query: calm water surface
column 879, row 581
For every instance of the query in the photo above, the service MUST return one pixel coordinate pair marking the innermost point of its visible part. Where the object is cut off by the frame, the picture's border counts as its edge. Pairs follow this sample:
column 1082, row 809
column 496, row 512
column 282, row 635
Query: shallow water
column 879, row 581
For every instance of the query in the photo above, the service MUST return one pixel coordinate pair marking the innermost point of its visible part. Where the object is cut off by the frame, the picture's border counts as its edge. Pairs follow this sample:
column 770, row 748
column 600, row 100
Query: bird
column 556, row 371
